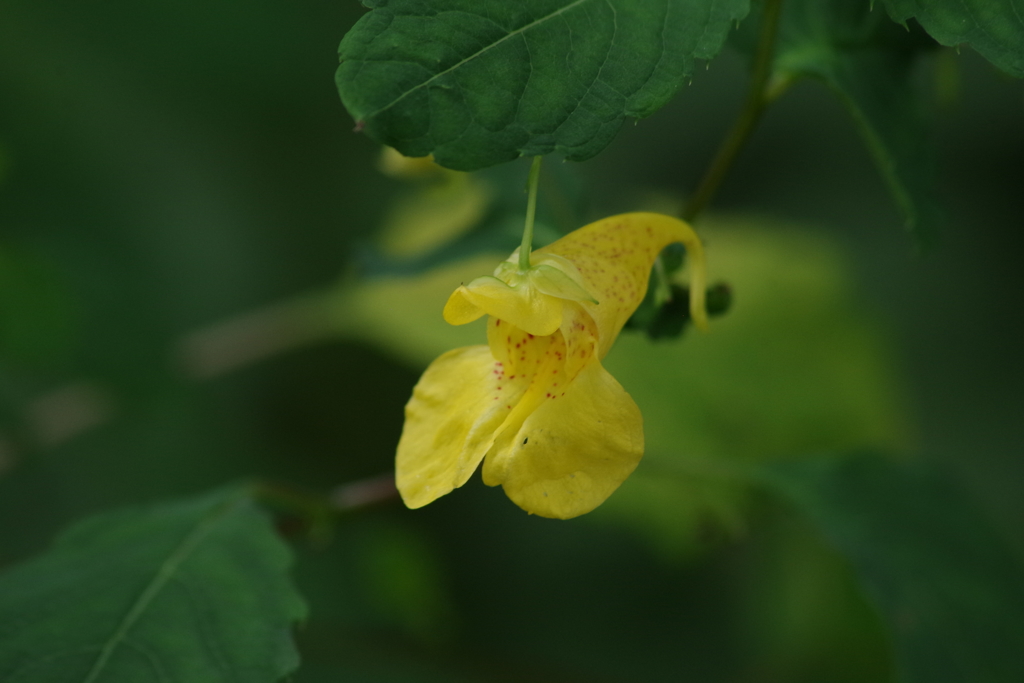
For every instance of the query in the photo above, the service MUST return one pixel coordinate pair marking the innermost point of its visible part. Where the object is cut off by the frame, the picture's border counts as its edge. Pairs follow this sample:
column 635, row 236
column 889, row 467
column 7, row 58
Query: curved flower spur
column 550, row 424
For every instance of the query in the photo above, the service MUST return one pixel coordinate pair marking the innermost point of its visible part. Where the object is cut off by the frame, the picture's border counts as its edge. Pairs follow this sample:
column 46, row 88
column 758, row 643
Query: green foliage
column 804, row 607
column 793, row 368
column 460, row 215
column 671, row 318
column 5, row 163
column 402, row 584
column 995, row 28
column 869, row 63
column 948, row 586
column 480, row 82
column 174, row 175
column 36, row 311
column 188, row 591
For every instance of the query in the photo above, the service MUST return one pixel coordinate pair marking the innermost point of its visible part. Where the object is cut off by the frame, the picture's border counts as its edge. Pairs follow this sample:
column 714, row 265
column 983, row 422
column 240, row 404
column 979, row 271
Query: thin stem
column 259, row 334
column 759, row 95
column 663, row 287
column 344, row 498
column 531, row 210
column 364, row 492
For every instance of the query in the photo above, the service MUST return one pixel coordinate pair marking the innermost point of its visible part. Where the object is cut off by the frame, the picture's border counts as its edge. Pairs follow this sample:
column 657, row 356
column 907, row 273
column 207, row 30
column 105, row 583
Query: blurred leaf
column 36, row 311
column 806, row 617
column 431, row 216
column 383, row 609
column 188, row 591
column 793, row 368
column 471, row 213
column 404, row 584
column 481, row 82
column 678, row 512
column 995, row 28
column 951, row 591
column 372, row 666
column 794, row 365
column 402, row 314
column 868, row 62
column 5, row 163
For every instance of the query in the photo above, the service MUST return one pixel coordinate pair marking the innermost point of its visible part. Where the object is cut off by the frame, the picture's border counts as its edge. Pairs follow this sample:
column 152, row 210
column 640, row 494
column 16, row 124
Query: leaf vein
column 211, row 641
column 164, row 573
column 479, row 52
column 151, row 659
column 597, row 76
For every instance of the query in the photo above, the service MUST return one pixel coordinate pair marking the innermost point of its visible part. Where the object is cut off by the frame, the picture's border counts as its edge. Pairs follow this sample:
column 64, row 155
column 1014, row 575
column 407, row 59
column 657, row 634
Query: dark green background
column 166, row 166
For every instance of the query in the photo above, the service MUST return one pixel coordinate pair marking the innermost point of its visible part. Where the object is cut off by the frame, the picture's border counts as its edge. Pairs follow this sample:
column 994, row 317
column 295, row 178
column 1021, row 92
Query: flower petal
column 522, row 306
column 555, row 282
column 573, row 451
column 614, row 258
column 450, row 423
column 460, row 308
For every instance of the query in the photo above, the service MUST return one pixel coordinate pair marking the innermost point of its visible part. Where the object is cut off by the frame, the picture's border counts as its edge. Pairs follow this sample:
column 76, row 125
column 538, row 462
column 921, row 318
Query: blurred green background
column 168, row 167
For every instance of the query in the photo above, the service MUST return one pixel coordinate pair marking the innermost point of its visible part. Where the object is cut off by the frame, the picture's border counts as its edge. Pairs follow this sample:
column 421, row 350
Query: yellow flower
column 550, row 424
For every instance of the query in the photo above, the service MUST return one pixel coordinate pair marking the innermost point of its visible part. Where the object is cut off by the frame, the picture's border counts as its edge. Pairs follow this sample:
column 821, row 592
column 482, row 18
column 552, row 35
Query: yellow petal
column 522, row 306
column 555, row 282
column 450, row 423
column 460, row 308
column 572, row 451
column 395, row 164
column 614, row 258
column 550, row 274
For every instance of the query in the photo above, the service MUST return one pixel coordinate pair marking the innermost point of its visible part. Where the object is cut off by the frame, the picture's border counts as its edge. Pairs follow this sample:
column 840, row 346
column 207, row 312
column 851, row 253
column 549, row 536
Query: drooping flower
column 550, row 424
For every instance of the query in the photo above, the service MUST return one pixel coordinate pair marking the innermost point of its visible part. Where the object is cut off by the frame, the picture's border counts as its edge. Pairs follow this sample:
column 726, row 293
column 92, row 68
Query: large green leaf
column 480, row 82
column 187, row 592
column 995, row 28
column 868, row 62
column 951, row 591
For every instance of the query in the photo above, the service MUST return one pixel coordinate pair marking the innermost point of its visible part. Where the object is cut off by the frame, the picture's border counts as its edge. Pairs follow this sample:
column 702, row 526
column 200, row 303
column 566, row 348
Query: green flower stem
column 759, row 96
column 531, row 210
column 317, row 510
column 662, row 285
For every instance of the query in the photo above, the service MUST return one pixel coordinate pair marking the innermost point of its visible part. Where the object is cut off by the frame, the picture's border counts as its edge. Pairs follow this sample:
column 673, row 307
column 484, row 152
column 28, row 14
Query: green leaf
column 481, row 82
column 948, row 586
column 193, row 591
column 37, row 313
column 868, row 62
column 795, row 367
column 995, row 28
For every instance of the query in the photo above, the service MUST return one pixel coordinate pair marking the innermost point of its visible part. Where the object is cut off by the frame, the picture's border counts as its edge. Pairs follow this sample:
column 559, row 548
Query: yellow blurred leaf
column 434, row 215
column 403, row 314
column 795, row 368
